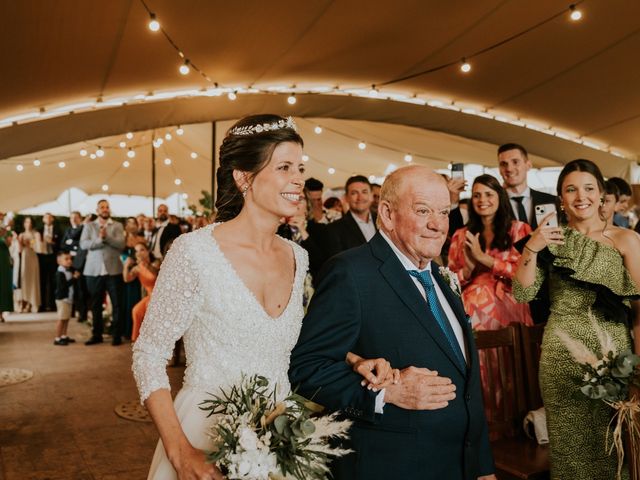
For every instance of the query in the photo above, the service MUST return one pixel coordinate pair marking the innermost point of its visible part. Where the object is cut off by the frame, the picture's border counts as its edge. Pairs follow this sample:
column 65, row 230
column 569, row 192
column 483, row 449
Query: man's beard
column 163, row 218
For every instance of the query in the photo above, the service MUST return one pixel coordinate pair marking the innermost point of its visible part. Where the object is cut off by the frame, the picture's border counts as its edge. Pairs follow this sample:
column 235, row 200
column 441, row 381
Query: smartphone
column 542, row 211
column 457, row 171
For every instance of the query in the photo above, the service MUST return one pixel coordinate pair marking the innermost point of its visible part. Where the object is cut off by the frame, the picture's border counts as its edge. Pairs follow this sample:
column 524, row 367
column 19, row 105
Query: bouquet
column 607, row 377
column 258, row 438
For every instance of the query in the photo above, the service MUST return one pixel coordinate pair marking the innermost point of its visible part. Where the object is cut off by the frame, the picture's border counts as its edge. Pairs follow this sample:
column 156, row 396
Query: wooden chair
column 515, row 455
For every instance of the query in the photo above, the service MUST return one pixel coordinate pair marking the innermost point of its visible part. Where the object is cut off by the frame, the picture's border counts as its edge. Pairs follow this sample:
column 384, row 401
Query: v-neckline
column 250, row 292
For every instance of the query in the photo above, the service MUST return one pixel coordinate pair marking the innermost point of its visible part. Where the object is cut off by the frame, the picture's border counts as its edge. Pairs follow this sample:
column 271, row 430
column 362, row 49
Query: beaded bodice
column 226, row 331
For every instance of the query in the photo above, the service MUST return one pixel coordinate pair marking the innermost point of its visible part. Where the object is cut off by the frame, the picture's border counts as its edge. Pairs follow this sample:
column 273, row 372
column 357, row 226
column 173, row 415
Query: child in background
column 65, row 280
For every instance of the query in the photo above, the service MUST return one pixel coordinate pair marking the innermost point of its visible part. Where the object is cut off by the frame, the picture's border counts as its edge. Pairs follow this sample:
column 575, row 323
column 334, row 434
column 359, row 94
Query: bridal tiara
column 264, row 127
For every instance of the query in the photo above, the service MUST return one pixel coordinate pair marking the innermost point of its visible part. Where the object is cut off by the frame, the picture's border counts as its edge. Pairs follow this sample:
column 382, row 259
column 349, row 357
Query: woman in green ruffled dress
column 592, row 267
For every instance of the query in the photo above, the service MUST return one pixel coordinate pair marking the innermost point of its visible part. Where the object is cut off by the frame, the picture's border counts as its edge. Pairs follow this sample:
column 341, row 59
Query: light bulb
column 19, row 167
column 184, row 68
column 408, row 158
column 62, row 164
column 105, row 187
column 126, row 164
column 331, row 170
column 154, row 25
column 318, row 129
column 575, row 13
column 100, row 152
column 36, row 163
column 180, row 131
column 83, row 152
column 305, row 158
column 92, row 156
column 167, row 161
column 168, row 136
column 372, row 178
column 362, row 145
column 232, row 95
column 194, row 155
column 122, row 144
column 465, row 67
column 185, row 196
column 177, row 181
column 291, row 100
column 129, row 136
column 373, row 93
column 131, row 153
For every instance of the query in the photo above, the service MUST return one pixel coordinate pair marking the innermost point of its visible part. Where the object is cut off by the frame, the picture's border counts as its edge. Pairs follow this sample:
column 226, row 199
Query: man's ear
column 385, row 214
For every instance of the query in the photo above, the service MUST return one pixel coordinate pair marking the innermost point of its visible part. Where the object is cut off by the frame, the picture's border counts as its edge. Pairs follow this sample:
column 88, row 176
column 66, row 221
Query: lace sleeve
column 174, row 300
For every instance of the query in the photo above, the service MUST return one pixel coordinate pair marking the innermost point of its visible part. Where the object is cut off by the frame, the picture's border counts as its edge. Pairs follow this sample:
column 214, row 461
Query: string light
column 373, row 93
column 232, row 95
column 180, row 131
column 184, row 68
column 83, row 152
column 123, row 144
column 100, row 152
column 154, row 24
column 305, row 158
column 129, row 135
column 19, row 167
column 465, row 67
column 185, row 196
column 408, row 158
column 362, row 145
column 291, row 100
column 194, row 155
column 575, row 13
column 36, row 163
column 331, row 170
column 92, row 156
column 168, row 136
column 318, row 129
column 105, row 188
column 131, row 153
column 167, row 161
column 157, row 142
column 62, row 164
column 126, row 164
column 177, row 181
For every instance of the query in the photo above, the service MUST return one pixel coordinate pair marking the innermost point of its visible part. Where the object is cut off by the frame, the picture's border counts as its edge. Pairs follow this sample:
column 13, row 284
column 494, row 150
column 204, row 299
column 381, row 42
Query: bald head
column 414, row 212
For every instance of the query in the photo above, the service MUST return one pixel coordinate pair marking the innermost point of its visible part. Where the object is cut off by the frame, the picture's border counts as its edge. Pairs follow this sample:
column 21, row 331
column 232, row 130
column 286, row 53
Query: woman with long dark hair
column 594, row 275
column 232, row 290
column 483, row 256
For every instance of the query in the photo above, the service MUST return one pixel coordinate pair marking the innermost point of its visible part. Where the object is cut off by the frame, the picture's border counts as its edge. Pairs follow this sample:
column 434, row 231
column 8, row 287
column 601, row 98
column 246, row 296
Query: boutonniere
column 452, row 280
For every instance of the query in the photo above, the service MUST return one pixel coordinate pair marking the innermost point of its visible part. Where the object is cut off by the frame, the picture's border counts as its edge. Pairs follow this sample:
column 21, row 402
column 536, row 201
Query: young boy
column 65, row 280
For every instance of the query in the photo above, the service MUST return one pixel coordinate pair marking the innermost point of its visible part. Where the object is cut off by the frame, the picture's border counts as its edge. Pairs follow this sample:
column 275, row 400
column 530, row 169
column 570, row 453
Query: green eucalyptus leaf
column 281, row 423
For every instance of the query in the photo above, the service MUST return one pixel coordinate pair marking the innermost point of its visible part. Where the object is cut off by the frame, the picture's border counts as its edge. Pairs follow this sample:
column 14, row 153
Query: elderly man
column 388, row 299
column 104, row 241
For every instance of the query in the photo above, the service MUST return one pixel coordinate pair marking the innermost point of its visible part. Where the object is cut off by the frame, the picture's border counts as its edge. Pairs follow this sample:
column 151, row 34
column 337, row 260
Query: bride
column 233, row 291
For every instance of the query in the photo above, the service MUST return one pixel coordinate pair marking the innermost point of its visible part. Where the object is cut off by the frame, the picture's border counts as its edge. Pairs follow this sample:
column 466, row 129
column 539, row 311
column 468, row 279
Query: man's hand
column 420, row 389
column 103, row 232
column 487, row 477
column 455, row 187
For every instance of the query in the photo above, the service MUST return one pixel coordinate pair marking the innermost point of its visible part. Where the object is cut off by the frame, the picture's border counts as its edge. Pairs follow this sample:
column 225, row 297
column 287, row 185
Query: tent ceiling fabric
column 577, row 76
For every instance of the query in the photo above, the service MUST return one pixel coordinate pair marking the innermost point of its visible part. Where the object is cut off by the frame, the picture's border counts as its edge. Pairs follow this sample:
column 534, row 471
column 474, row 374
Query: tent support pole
column 213, row 165
column 153, row 175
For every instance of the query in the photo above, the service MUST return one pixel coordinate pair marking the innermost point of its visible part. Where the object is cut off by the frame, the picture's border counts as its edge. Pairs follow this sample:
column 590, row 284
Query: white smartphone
column 457, row 171
column 542, row 211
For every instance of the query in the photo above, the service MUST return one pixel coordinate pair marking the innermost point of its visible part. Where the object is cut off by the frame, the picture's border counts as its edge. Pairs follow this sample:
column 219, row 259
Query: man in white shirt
column 388, row 299
column 358, row 225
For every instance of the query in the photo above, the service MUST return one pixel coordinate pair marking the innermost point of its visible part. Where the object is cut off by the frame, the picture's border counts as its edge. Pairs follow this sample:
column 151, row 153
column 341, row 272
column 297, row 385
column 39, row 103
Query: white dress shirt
column 157, row 253
column 526, row 203
column 367, row 228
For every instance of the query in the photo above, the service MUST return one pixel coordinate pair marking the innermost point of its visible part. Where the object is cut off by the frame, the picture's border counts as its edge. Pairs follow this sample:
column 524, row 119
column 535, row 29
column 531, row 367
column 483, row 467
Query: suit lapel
column 401, row 283
column 354, row 230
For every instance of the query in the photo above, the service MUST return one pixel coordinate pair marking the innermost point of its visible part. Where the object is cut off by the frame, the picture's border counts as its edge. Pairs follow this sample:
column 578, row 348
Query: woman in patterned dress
column 593, row 270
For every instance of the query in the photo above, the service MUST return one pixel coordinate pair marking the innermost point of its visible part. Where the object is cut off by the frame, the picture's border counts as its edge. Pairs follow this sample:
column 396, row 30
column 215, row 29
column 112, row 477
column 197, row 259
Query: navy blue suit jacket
column 366, row 303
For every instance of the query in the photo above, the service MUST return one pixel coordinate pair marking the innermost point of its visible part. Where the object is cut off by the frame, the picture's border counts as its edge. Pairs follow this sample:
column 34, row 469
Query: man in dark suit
column 71, row 244
column 358, row 225
column 47, row 262
column 514, row 163
column 164, row 233
column 388, row 299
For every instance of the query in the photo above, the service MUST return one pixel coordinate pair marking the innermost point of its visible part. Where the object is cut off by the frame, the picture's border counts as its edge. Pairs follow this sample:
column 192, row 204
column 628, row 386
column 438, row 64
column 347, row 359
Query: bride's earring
column 245, row 189
column 561, row 207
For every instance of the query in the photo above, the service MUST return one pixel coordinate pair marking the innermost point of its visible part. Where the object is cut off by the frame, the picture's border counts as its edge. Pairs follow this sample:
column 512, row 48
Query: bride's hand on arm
column 376, row 372
column 189, row 462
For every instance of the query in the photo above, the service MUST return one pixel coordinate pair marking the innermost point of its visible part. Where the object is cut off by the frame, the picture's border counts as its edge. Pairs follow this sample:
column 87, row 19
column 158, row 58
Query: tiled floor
column 61, row 424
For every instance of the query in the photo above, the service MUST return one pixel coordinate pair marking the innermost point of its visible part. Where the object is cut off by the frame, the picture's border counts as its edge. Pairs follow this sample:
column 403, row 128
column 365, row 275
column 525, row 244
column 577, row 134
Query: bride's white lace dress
column 226, row 331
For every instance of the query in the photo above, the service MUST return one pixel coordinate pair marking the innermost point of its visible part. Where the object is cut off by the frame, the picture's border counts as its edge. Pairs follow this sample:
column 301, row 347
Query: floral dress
column 487, row 296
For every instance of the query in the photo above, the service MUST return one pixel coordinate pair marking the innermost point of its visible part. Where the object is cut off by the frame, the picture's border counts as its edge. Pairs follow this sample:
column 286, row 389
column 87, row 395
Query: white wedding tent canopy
column 83, row 74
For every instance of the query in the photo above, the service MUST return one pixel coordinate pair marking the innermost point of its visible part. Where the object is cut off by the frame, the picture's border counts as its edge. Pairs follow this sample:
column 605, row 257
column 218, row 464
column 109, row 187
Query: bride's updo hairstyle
column 580, row 165
column 248, row 147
